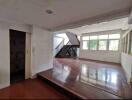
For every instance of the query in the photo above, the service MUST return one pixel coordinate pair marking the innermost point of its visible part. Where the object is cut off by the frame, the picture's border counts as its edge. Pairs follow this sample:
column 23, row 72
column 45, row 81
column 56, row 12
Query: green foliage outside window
column 93, row 44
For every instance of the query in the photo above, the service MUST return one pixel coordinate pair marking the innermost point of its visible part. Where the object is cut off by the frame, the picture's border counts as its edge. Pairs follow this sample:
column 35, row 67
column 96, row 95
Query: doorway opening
column 17, row 56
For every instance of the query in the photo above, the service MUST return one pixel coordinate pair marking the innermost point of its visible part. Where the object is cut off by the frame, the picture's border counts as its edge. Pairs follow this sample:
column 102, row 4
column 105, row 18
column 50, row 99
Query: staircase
column 70, row 49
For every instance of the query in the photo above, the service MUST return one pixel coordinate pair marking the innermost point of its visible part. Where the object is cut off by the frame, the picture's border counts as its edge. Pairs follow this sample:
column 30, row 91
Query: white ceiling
column 98, row 27
column 103, row 26
column 65, row 11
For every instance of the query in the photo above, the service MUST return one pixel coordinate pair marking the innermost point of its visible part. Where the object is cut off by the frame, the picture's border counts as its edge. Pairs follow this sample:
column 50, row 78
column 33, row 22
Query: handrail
column 68, row 48
column 63, row 43
column 68, row 42
column 73, row 38
column 59, row 44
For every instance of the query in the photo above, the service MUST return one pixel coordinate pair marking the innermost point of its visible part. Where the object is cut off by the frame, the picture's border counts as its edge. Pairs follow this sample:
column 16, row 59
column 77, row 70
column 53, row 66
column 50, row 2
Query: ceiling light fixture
column 48, row 11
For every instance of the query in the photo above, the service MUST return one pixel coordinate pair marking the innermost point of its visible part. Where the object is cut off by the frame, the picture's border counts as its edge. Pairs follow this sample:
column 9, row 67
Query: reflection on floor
column 90, row 79
column 104, row 78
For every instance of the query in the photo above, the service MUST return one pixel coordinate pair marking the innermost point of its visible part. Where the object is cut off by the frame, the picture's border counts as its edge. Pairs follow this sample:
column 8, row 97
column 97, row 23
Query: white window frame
column 85, row 40
column 107, row 46
column 93, row 39
column 127, row 43
column 118, row 45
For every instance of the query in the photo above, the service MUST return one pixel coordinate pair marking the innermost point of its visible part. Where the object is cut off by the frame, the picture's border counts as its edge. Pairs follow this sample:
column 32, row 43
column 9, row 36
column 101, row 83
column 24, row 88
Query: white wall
column 5, row 50
column 42, row 44
column 57, row 41
column 42, row 58
column 4, row 56
column 63, row 35
column 100, row 55
column 20, row 27
column 109, row 56
column 126, row 61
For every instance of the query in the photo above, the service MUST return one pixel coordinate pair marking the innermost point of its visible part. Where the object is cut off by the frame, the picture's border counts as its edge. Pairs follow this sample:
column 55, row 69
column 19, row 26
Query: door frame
column 28, row 56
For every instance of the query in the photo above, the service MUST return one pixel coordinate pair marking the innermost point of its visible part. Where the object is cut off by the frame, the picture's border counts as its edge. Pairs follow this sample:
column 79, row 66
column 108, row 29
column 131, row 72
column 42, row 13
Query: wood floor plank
column 30, row 89
column 89, row 79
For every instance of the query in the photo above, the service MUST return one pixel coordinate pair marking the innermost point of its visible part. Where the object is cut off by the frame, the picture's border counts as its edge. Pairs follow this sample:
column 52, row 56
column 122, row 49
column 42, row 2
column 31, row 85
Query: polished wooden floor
column 89, row 79
column 31, row 89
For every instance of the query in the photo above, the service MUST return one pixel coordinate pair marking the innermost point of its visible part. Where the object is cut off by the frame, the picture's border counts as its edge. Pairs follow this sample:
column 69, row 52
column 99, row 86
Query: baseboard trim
column 99, row 61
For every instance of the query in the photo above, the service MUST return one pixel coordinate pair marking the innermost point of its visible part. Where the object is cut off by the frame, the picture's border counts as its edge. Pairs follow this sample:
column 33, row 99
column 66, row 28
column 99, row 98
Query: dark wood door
column 17, row 56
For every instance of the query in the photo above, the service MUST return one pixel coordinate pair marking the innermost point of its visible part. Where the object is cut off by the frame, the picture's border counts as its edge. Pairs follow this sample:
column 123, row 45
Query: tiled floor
column 89, row 79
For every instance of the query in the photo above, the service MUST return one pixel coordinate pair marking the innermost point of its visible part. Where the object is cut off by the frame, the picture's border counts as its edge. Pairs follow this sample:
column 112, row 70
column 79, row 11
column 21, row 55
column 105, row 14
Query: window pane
column 85, row 38
column 113, row 45
column 93, row 44
column 85, row 45
column 93, row 37
column 102, row 45
column 103, row 36
column 114, row 36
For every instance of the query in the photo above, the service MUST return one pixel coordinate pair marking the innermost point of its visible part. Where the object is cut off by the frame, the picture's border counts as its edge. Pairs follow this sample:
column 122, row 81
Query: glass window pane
column 113, row 45
column 114, row 36
column 103, row 36
column 93, row 37
column 85, row 45
column 85, row 38
column 103, row 45
column 93, row 44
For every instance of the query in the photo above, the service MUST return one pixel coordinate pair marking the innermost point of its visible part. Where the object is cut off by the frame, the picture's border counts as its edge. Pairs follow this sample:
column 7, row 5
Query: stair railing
column 58, row 48
column 68, row 43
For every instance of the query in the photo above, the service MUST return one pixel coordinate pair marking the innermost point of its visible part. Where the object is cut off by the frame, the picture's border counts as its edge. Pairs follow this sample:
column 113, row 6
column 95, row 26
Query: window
column 85, row 45
column 85, row 42
column 85, row 38
column 127, row 43
column 93, row 37
column 101, row 42
column 103, row 37
column 93, row 42
column 103, row 45
column 114, row 42
column 113, row 45
column 114, row 36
